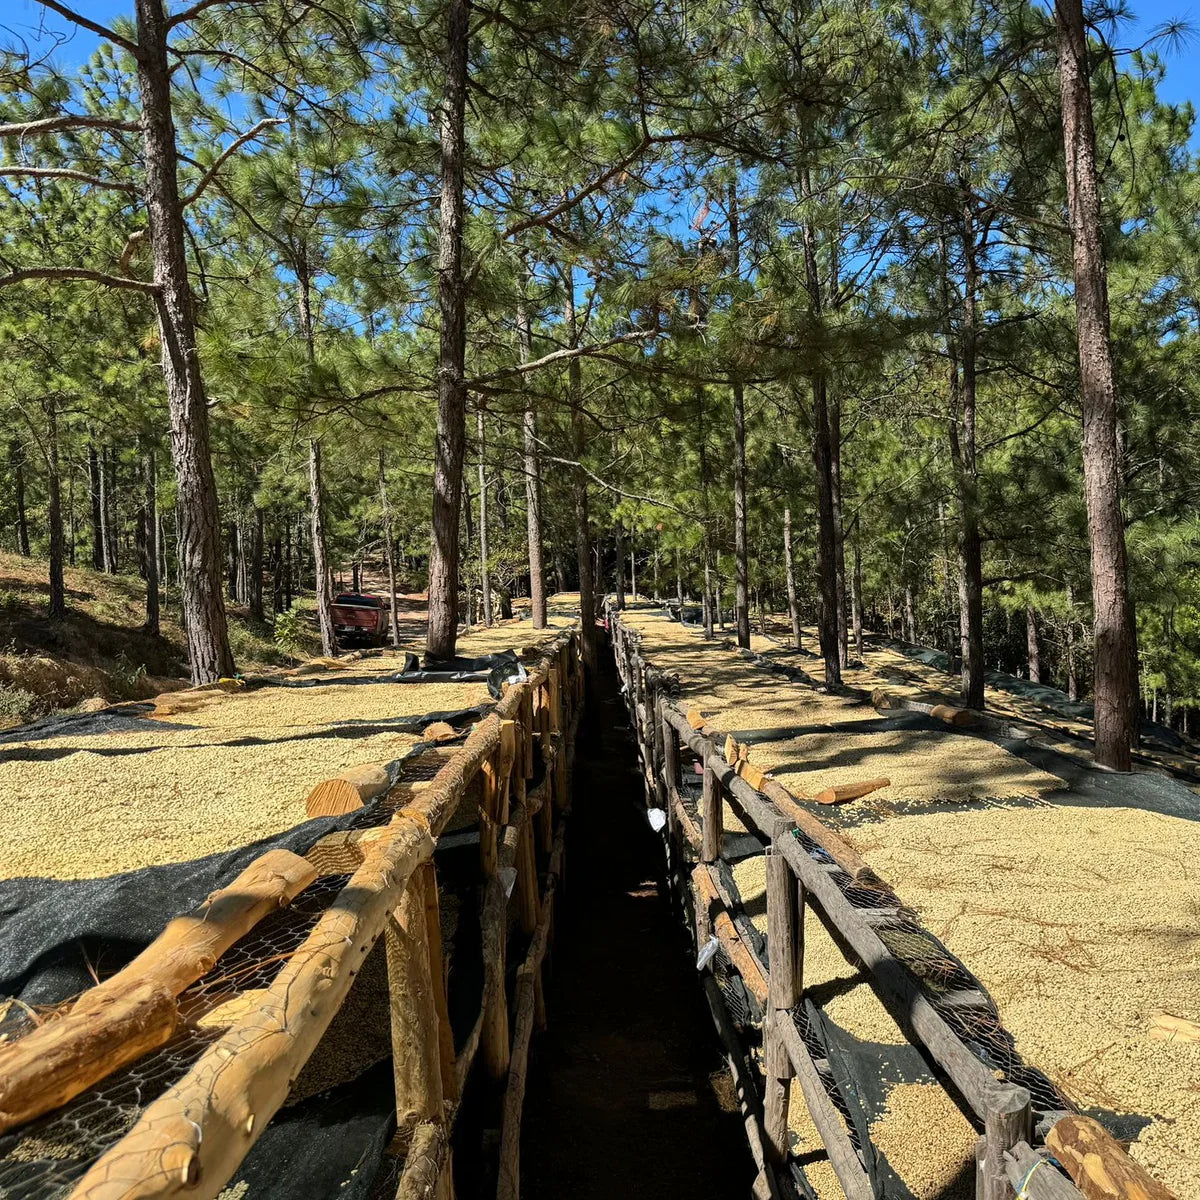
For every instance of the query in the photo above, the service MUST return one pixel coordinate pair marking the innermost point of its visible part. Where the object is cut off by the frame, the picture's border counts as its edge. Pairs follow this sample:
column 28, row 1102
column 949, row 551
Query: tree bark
column 1114, row 631
column 910, row 613
column 150, row 507
column 740, row 540
column 452, row 389
column 533, row 483
column 1031, row 645
column 107, row 557
column 619, row 566
column 856, row 598
column 583, row 534
column 789, row 567
column 16, row 460
column 389, row 550
column 961, row 434
column 97, row 510
column 324, row 582
column 827, row 608
column 255, row 598
column 58, row 591
column 197, row 513
column 839, row 541
column 485, row 570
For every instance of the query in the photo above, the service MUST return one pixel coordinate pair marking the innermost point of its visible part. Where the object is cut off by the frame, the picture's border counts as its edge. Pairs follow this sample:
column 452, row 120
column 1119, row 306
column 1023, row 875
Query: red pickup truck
column 359, row 615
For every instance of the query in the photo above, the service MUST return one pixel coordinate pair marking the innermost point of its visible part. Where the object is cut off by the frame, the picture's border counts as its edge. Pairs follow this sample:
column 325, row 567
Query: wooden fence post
column 1007, row 1120
column 785, row 945
column 416, row 1027
column 711, row 805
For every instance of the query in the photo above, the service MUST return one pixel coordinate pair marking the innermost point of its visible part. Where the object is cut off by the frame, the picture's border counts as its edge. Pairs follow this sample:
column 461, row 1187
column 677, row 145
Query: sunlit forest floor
column 1070, row 892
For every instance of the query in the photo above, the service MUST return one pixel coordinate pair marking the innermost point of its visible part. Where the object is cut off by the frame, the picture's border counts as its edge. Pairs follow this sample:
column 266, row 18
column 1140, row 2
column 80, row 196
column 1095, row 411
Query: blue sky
column 1182, row 83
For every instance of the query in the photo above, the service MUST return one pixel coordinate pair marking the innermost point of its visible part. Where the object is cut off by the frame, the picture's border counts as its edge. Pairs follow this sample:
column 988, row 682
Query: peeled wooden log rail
column 191, row 1140
column 135, row 1010
column 1006, row 1162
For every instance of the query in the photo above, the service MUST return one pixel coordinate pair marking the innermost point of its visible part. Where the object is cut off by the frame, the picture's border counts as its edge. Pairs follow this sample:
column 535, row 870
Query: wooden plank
column 509, row 1182
column 709, row 902
column 134, row 1011
column 1033, row 1176
column 828, row 1121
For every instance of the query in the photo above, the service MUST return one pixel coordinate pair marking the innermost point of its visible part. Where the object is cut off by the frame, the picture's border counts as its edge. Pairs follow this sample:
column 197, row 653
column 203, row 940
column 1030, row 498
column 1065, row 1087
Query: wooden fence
column 1008, row 1159
column 191, row 1140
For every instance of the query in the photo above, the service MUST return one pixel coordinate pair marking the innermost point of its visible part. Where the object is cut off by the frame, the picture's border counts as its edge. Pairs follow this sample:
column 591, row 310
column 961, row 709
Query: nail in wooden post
column 711, row 805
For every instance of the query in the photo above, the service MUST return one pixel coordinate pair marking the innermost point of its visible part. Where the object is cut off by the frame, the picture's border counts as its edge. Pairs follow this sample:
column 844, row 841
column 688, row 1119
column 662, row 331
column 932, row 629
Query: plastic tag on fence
column 508, row 879
column 706, row 953
column 657, row 819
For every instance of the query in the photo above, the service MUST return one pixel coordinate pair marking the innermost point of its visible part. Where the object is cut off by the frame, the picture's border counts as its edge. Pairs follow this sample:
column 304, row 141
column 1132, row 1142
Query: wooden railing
column 191, row 1140
column 795, row 879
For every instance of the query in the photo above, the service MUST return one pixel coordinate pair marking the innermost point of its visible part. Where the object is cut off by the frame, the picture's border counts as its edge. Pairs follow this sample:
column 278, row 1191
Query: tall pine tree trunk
column 1031, row 646
column 533, row 483
column 827, row 609
column 58, row 591
column 107, row 557
column 324, row 581
column 452, row 388
column 961, row 432
column 485, row 570
column 789, row 567
column 389, row 550
column 583, row 533
column 150, row 509
column 856, row 598
column 1115, row 644
column 839, row 540
column 16, row 461
column 619, row 566
column 96, row 510
column 255, row 597
column 740, row 540
column 198, row 539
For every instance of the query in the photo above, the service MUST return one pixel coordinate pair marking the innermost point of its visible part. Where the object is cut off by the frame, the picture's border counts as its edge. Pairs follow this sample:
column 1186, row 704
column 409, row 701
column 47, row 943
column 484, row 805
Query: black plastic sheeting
column 492, row 669
column 329, row 1145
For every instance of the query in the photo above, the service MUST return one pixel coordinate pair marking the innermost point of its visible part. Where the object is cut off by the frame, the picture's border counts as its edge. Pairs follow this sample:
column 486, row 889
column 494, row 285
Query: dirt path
column 628, row 1095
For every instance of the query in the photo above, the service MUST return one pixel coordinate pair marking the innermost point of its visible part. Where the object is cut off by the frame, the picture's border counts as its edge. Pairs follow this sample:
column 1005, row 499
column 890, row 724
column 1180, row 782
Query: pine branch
column 115, row 281
column 64, row 173
column 227, row 153
column 66, row 121
column 94, row 26
column 560, row 355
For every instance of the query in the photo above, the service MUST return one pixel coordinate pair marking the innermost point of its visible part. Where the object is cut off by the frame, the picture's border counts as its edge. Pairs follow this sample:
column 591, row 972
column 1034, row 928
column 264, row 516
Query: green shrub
column 125, row 676
column 289, row 630
column 10, row 601
column 18, row 706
